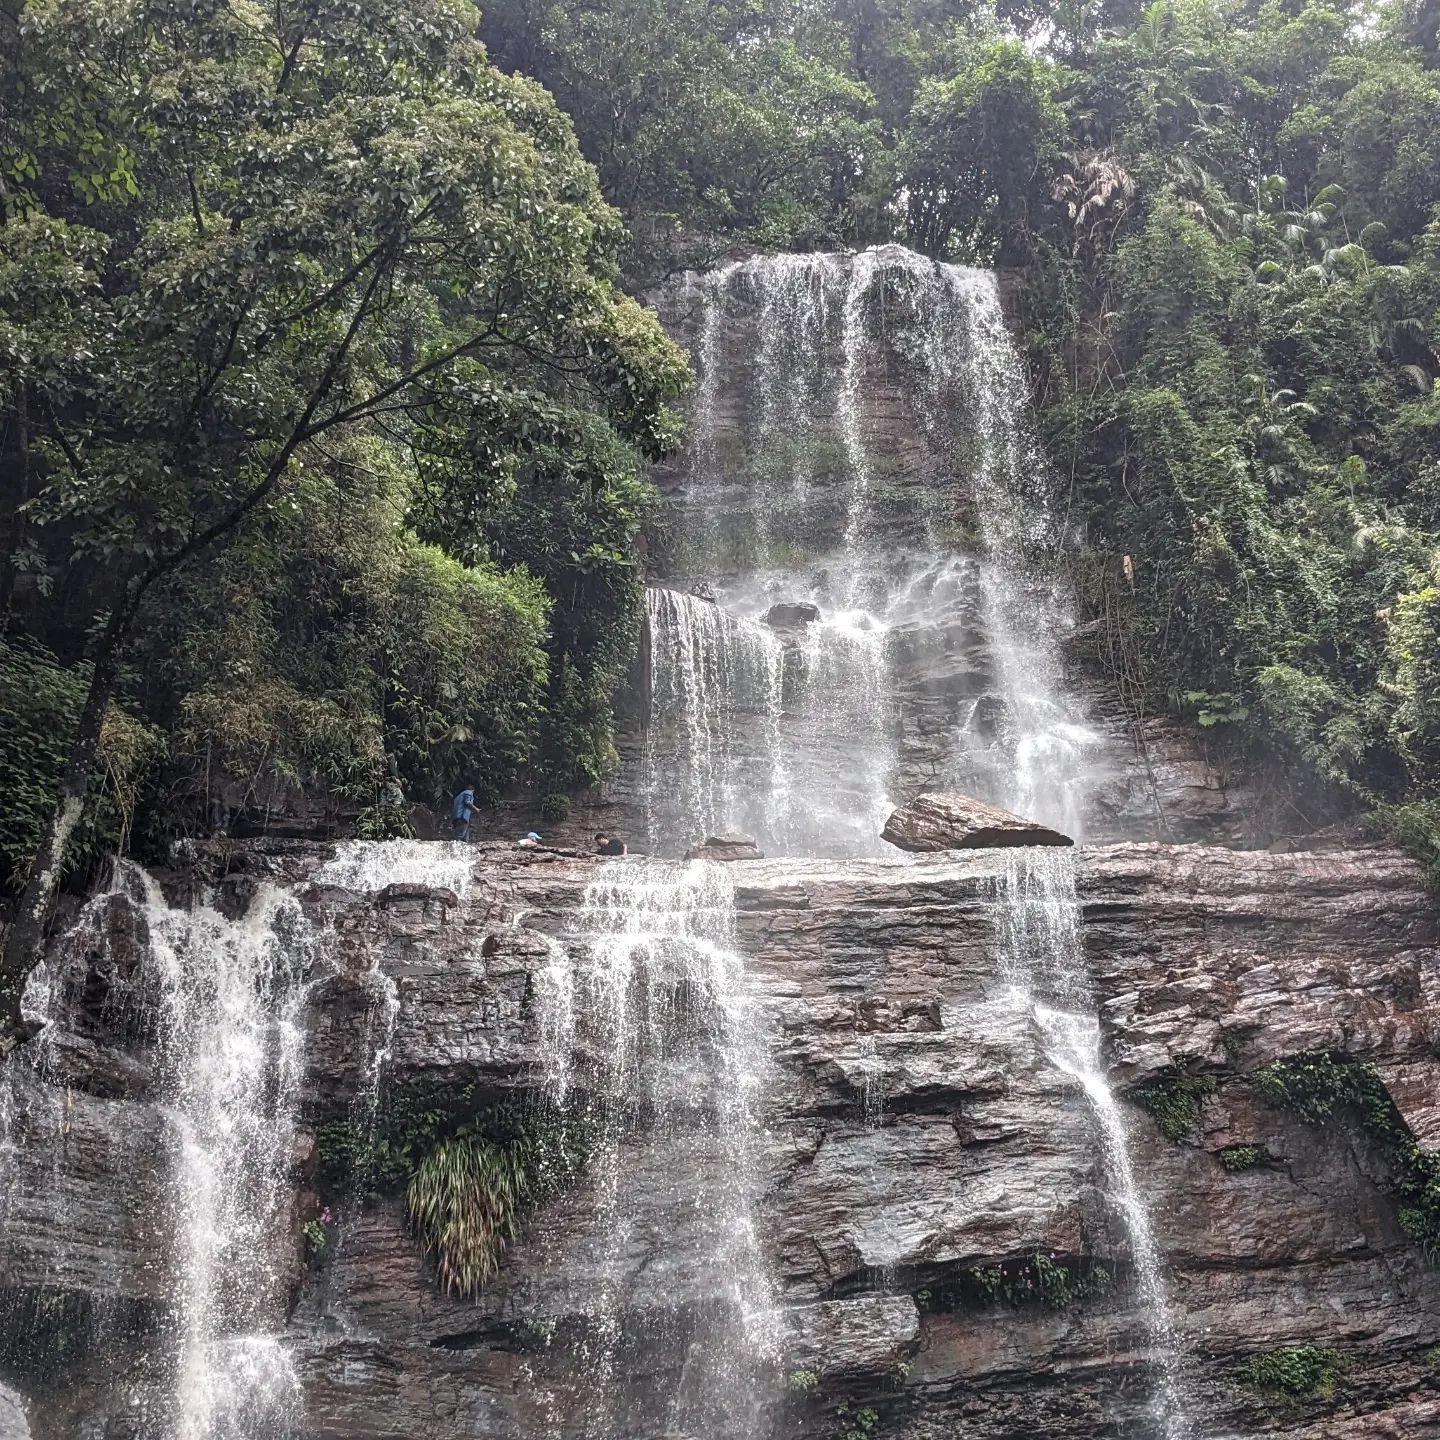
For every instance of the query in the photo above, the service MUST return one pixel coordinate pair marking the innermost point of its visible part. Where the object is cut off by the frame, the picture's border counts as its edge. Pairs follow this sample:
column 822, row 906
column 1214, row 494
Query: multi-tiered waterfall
column 852, row 527
column 816, row 1094
column 828, row 562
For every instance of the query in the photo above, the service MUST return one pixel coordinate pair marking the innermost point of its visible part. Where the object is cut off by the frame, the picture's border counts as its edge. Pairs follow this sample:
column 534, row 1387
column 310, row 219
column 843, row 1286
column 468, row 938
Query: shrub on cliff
column 40, row 701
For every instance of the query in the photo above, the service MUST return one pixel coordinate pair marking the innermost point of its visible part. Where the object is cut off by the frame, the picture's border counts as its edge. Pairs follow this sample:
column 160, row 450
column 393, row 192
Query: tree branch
column 299, row 432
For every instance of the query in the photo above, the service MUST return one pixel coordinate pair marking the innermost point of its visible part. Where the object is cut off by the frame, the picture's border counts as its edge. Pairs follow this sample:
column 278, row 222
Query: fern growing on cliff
column 464, row 1201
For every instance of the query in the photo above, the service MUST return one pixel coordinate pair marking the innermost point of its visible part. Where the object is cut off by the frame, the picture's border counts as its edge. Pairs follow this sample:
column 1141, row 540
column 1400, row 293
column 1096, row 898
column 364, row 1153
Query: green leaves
column 1295, row 1371
column 323, row 278
column 464, row 1201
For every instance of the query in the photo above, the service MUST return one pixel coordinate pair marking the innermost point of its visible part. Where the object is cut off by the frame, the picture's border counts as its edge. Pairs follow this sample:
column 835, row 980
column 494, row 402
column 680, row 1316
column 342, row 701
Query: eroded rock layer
column 918, row 1155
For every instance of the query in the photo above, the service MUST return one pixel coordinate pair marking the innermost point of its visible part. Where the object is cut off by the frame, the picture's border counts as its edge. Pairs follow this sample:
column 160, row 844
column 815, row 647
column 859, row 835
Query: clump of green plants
column 1236, row 1158
column 465, row 1200
column 316, row 1233
column 862, row 1424
column 469, row 1173
column 384, row 822
column 1317, row 1085
column 384, row 1156
column 555, row 807
column 1295, row 1371
column 40, row 703
column 802, row 1382
column 1432, row 1359
column 1043, row 1278
column 1174, row 1104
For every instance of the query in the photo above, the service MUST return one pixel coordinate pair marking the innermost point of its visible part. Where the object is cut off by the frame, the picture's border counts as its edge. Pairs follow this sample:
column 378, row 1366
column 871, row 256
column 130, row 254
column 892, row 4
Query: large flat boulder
column 941, row 821
column 724, row 848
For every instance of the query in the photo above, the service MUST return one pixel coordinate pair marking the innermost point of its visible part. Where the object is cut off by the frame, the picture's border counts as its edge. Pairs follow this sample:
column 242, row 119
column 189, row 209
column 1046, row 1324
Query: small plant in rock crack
column 316, row 1232
column 862, row 1424
column 1174, row 1104
column 1044, row 1279
column 539, row 1332
column 464, row 1201
column 1296, row 1371
column 1236, row 1158
column 802, row 1382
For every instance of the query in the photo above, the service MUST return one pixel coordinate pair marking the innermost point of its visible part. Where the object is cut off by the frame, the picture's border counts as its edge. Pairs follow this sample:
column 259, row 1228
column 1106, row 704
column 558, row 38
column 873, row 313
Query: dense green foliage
column 325, row 279
column 1238, row 1158
column 1223, row 212
column 464, row 1201
column 39, row 700
column 1174, row 1104
column 1051, row 1280
column 318, row 398
column 1294, row 1372
column 470, row 1173
column 1319, row 1086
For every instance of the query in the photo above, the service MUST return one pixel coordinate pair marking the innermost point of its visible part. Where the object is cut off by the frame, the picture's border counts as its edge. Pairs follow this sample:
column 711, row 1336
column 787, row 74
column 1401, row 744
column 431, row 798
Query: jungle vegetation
column 1221, row 220
column 325, row 406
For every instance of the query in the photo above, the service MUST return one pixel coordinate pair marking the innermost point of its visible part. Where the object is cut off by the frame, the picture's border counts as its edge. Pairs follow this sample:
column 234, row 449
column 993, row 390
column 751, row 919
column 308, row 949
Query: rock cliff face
column 918, row 1153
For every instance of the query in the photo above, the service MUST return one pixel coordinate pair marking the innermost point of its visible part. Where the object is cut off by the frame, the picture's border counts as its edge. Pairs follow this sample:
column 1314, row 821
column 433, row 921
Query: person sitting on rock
column 462, row 811
column 609, row 844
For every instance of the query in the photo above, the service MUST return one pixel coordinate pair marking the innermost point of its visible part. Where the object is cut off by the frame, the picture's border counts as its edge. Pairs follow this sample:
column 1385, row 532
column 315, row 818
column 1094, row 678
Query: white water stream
column 793, row 732
column 232, row 996
column 655, row 1026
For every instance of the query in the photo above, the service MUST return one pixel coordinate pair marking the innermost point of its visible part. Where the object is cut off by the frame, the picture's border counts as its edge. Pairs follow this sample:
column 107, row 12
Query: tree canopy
column 325, row 407
column 323, row 411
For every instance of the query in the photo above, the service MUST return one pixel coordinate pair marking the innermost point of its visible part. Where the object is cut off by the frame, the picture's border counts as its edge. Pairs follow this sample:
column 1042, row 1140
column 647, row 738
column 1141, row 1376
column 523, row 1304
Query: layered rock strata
column 915, row 1142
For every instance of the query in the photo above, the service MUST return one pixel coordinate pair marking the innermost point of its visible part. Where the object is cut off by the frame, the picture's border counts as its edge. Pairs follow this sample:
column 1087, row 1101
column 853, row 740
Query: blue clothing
column 462, row 828
column 463, row 804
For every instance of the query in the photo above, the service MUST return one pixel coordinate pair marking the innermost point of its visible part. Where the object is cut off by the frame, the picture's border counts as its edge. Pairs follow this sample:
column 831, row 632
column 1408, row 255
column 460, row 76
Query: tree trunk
column 25, row 942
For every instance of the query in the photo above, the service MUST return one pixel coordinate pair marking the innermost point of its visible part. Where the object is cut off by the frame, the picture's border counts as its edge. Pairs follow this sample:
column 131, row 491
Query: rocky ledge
column 918, row 1155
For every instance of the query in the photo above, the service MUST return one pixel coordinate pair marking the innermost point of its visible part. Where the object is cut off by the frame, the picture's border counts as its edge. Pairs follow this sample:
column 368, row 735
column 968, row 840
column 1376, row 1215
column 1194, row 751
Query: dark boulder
column 960, row 822
column 791, row 616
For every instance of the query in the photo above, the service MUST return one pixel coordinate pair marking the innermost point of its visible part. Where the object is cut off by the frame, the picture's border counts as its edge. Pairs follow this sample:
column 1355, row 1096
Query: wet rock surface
column 960, row 822
column 725, row 848
column 915, row 1136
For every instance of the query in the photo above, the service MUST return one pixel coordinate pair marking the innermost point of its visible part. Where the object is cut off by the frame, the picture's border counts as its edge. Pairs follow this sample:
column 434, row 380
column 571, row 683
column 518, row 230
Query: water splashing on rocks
column 666, row 1051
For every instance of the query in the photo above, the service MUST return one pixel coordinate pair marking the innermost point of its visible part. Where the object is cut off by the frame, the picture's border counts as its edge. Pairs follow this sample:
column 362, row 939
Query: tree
column 235, row 238
column 979, row 153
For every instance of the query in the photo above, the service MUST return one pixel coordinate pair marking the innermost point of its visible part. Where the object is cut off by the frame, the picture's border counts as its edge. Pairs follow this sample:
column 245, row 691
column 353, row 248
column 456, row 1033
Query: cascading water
column 796, row 508
column 1039, row 913
column 1041, row 956
column 656, row 1034
column 872, row 564
column 715, row 676
column 230, row 996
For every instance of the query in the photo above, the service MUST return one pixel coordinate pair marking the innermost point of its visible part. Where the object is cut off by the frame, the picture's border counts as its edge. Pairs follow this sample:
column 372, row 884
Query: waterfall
column 230, row 996
column 1026, row 608
column 716, row 702
column 367, row 866
column 1039, row 915
column 1041, row 956
column 802, row 500
column 840, row 524
column 654, row 1030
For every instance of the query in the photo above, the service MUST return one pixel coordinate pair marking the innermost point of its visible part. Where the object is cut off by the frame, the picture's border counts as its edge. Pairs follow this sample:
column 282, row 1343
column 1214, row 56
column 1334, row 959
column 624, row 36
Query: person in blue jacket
column 462, row 812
